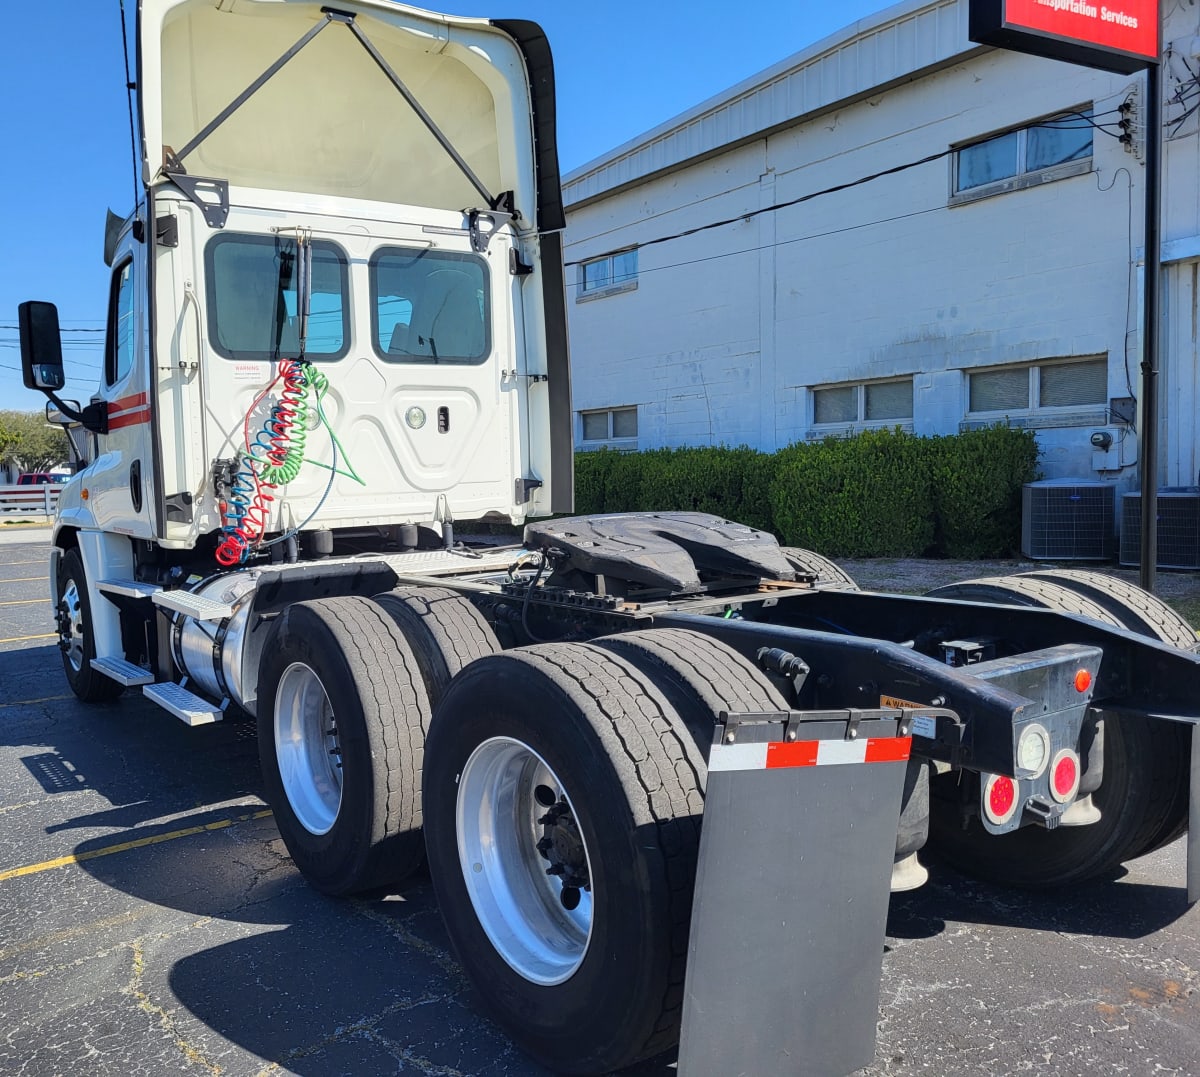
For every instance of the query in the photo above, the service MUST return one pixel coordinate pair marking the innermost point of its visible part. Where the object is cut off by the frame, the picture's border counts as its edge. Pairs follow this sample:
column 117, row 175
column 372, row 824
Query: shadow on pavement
column 1107, row 908
column 142, row 761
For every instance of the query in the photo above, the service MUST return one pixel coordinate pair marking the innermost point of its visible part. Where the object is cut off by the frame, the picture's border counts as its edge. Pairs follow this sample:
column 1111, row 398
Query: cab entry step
column 186, row 706
column 196, row 606
column 128, row 588
column 123, row 672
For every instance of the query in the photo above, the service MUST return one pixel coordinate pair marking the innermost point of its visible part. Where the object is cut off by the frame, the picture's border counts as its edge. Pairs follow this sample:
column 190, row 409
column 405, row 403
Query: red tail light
column 999, row 798
column 1064, row 776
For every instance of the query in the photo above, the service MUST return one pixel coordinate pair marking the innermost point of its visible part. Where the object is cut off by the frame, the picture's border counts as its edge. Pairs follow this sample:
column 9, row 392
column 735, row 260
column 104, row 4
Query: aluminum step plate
column 185, row 705
column 123, row 672
column 197, row 606
column 129, row 588
column 441, row 563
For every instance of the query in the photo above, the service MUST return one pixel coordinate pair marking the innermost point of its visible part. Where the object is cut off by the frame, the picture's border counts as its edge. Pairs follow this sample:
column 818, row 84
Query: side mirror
column 42, row 365
column 57, row 417
column 41, row 346
column 77, row 435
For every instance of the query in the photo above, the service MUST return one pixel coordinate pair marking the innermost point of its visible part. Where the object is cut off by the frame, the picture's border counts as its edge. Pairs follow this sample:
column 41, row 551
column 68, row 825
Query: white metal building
column 999, row 280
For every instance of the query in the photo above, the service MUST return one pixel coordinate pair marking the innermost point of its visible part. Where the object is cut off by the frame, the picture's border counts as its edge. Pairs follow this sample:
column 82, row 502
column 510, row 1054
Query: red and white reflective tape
column 128, row 411
column 778, row 755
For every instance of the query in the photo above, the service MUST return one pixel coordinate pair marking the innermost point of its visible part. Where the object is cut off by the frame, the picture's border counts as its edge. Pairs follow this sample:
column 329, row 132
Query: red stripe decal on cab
column 128, row 403
column 129, row 418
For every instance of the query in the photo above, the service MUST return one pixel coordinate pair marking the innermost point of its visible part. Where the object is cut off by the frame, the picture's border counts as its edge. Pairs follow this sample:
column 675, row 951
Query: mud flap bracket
column 792, row 886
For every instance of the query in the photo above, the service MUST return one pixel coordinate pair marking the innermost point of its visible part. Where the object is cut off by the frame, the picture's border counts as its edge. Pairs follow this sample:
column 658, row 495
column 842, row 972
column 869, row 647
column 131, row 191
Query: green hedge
column 977, row 478
column 882, row 493
column 866, row 496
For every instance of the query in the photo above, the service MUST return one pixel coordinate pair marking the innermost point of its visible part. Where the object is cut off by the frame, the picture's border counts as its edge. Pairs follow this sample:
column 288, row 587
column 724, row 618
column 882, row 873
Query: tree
column 32, row 443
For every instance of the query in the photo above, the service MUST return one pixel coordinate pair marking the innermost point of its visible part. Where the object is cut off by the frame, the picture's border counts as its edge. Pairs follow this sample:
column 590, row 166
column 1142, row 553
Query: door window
column 118, row 360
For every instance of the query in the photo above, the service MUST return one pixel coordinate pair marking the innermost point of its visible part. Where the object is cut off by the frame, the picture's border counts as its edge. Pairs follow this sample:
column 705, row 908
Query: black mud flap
column 1193, row 841
column 787, row 934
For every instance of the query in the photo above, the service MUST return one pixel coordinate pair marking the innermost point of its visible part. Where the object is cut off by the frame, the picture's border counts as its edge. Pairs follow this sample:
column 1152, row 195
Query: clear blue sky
column 622, row 66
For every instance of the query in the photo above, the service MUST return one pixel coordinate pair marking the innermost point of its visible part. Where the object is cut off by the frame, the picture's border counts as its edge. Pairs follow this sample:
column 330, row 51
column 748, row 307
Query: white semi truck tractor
column 651, row 759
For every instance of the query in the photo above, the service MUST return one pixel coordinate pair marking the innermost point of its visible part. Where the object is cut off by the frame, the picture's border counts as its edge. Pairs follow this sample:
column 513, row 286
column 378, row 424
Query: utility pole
column 1151, row 299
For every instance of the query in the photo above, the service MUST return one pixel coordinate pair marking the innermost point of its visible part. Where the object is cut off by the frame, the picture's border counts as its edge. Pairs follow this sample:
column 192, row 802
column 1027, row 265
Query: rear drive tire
column 1133, row 802
column 593, row 988
column 1150, row 616
column 341, row 710
column 830, row 577
column 1138, row 797
column 76, row 637
column 1138, row 610
column 701, row 676
column 1022, row 591
column 445, row 631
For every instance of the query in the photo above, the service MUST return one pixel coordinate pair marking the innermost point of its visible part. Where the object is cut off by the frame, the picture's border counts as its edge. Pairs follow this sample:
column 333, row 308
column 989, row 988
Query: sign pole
column 1129, row 40
column 1152, row 287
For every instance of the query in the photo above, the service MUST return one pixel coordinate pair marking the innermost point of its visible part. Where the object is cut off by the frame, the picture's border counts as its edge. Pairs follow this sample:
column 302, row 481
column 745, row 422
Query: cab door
column 120, row 488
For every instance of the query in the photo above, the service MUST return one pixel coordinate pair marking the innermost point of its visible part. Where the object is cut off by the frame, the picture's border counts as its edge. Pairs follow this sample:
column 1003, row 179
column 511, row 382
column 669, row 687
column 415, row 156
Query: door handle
column 135, row 485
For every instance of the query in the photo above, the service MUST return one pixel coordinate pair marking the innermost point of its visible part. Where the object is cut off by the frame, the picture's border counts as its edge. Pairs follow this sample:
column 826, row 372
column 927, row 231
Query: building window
column 867, row 402
column 1050, row 149
column 1074, row 383
column 605, row 276
column 614, row 424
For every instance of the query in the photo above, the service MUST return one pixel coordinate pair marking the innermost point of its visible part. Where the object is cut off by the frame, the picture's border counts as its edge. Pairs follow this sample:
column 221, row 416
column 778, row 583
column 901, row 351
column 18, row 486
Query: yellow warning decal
column 900, row 704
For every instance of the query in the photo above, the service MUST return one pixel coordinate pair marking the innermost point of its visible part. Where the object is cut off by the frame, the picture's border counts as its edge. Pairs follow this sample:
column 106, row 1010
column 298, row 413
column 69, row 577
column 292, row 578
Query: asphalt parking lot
column 152, row 923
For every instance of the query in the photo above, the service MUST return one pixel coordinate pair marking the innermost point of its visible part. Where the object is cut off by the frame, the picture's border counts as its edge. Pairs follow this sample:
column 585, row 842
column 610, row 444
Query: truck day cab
column 336, row 327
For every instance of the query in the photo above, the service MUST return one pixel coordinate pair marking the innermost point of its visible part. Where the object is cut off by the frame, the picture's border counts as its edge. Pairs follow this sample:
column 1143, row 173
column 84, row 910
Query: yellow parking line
column 125, row 846
column 22, row 639
column 13, row 564
column 31, row 702
column 25, row 602
column 25, row 579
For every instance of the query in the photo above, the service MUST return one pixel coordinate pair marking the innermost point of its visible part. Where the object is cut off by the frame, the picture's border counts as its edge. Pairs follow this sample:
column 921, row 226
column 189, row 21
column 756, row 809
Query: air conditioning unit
column 1067, row 520
column 1178, row 528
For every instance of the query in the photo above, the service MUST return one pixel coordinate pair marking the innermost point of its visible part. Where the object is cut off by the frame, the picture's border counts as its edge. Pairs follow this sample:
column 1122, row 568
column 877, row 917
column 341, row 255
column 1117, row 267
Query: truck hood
column 330, row 121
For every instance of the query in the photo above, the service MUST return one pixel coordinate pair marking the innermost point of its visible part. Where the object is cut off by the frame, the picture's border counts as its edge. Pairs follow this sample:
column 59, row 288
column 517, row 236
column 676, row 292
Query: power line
column 752, row 213
column 62, row 329
column 780, row 243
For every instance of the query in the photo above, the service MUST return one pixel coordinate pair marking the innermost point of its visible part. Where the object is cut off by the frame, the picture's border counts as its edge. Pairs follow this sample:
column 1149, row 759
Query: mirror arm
column 94, row 417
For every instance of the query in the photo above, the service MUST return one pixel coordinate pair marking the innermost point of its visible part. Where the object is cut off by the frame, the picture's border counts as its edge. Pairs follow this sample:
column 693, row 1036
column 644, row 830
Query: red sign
column 1129, row 25
column 1118, row 35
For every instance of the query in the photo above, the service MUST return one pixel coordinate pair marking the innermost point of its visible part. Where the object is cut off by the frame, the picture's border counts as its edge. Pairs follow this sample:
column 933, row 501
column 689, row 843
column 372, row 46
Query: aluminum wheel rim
column 307, row 749
column 518, row 904
column 71, row 626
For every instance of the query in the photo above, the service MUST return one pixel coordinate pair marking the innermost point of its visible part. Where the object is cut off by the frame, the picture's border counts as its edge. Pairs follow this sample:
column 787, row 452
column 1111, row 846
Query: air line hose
column 274, row 458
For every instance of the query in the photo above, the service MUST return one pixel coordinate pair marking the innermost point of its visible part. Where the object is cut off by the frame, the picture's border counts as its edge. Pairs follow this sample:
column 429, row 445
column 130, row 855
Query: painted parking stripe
column 125, row 846
column 22, row 639
column 34, row 702
column 809, row 753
